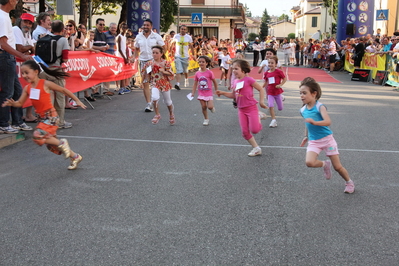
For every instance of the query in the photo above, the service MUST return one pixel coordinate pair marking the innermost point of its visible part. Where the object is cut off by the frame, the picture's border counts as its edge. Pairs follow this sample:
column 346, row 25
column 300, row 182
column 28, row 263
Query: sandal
column 155, row 120
column 90, row 98
column 172, row 120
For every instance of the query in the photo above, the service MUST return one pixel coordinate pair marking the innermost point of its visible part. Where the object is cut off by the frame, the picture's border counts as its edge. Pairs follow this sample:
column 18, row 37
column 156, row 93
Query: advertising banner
column 140, row 10
column 88, row 69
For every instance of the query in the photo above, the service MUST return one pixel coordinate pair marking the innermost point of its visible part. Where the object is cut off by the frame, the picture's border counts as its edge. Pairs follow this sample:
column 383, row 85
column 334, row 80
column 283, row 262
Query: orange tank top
column 44, row 102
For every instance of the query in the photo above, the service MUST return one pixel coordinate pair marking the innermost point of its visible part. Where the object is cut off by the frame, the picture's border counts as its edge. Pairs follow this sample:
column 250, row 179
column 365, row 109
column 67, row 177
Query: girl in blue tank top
column 318, row 134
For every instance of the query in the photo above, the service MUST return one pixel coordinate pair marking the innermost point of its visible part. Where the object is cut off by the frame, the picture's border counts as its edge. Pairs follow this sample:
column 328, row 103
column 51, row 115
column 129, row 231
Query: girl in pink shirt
column 203, row 81
column 274, row 81
column 242, row 91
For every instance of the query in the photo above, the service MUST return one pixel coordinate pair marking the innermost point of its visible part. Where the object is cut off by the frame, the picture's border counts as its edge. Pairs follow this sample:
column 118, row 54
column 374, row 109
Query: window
column 314, row 22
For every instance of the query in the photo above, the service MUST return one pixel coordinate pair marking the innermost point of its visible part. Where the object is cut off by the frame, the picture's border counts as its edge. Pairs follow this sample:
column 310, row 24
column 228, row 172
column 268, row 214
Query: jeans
column 10, row 87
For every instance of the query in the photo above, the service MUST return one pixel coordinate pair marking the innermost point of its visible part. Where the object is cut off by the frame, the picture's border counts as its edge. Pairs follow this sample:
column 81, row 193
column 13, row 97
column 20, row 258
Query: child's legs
column 253, row 142
column 168, row 101
column 312, row 159
column 244, row 124
column 204, row 109
column 210, row 104
column 336, row 162
column 270, row 102
column 255, row 126
column 155, row 99
column 279, row 102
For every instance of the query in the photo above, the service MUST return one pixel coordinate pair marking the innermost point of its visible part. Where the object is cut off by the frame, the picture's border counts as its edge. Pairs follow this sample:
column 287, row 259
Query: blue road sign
column 196, row 18
column 381, row 14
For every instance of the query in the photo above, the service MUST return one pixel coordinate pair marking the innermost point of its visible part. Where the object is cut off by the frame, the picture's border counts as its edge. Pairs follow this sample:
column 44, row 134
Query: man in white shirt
column 332, row 53
column 23, row 39
column 43, row 26
column 143, row 44
column 9, row 82
column 182, row 41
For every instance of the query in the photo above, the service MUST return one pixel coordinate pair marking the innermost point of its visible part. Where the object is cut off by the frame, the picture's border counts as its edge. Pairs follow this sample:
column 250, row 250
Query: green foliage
column 283, row 17
column 252, row 36
column 102, row 7
column 248, row 13
column 169, row 9
column 264, row 25
column 332, row 11
column 291, row 36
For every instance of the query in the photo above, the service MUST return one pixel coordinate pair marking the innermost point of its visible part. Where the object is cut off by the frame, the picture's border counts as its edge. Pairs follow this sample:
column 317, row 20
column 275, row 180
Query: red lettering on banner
column 370, row 60
column 88, row 69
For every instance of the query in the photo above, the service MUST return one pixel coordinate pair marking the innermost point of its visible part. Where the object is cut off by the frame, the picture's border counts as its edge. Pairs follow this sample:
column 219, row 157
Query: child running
column 318, row 134
column 224, row 66
column 274, row 81
column 203, row 81
column 247, row 110
column 38, row 91
column 158, row 71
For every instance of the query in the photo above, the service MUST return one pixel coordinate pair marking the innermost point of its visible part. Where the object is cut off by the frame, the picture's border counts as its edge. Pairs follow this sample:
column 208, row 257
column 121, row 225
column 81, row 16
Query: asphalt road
column 189, row 195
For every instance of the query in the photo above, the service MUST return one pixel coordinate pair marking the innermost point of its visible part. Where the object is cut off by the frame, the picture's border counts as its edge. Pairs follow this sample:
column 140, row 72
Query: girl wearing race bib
column 38, row 91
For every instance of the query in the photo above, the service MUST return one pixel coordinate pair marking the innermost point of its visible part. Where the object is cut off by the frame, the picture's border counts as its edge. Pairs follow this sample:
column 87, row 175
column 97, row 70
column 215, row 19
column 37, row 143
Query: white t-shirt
column 265, row 65
column 182, row 44
column 21, row 38
column 224, row 63
column 6, row 28
column 146, row 43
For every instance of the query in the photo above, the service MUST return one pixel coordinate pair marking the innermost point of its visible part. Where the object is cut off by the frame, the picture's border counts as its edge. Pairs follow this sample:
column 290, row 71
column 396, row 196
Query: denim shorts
column 181, row 65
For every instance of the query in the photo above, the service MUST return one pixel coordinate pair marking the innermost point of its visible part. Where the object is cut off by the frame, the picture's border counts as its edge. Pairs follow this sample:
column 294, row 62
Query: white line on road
column 213, row 144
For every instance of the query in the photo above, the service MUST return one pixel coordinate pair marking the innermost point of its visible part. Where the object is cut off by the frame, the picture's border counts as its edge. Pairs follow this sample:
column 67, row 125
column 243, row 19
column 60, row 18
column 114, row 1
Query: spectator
column 183, row 42
column 9, row 82
column 256, row 50
column 43, row 21
column 111, row 35
column 332, row 53
column 75, row 39
column 121, row 51
column 57, row 28
column 144, row 42
column 237, row 33
column 287, row 51
column 26, row 45
column 359, row 52
column 239, row 46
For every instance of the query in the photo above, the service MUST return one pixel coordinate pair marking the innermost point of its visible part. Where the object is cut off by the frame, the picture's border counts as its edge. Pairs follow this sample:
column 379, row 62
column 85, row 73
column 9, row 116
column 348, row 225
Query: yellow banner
column 374, row 62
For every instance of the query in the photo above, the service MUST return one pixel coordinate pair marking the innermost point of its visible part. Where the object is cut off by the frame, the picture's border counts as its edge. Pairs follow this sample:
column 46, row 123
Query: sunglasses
column 101, row 24
column 69, row 25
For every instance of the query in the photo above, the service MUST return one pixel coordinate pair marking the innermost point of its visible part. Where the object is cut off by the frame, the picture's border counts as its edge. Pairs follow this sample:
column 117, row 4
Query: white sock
column 177, row 83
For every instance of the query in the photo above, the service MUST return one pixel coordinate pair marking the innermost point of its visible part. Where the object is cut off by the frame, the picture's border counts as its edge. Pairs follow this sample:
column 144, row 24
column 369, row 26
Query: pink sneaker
column 349, row 187
column 327, row 169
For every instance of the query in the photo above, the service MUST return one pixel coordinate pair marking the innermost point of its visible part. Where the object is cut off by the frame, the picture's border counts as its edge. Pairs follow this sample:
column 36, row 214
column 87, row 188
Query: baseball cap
column 27, row 16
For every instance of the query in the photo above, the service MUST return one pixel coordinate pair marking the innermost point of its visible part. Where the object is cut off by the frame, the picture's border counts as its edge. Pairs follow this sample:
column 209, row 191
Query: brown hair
column 312, row 85
column 275, row 58
column 244, row 65
column 160, row 49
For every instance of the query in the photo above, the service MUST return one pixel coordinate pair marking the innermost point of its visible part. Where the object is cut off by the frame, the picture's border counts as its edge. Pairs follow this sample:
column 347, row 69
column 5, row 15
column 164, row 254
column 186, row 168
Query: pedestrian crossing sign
column 196, row 18
column 382, row 14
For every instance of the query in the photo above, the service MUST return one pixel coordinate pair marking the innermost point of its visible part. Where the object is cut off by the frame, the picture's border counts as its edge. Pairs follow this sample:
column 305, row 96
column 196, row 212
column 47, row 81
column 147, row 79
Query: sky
column 273, row 7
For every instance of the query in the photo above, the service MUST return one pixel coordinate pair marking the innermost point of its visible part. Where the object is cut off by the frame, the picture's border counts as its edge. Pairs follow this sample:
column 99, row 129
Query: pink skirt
column 205, row 98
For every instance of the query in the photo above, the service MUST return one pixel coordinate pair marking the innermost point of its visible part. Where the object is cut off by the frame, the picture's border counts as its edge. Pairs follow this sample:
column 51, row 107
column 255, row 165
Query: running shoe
column 273, row 123
column 255, row 152
column 206, row 122
column 349, row 187
column 8, row 130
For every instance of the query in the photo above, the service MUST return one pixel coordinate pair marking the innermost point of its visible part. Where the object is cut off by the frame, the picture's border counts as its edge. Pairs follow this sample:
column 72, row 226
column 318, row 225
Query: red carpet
column 294, row 74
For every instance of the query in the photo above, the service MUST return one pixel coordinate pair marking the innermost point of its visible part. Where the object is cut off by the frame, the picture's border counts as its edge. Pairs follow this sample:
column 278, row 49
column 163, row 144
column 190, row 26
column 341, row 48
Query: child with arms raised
column 38, row 91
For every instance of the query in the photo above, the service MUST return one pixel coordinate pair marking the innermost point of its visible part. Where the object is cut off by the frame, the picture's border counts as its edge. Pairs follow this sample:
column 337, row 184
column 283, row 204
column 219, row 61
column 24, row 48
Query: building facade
column 219, row 17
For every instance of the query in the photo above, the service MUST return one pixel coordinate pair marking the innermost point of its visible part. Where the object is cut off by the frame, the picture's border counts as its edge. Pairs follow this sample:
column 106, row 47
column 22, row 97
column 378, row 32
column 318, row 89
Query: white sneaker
column 206, row 122
column 220, row 82
column 262, row 115
column 282, row 97
column 213, row 110
column 23, row 126
column 8, row 130
column 255, row 152
column 149, row 108
column 273, row 123
column 186, row 83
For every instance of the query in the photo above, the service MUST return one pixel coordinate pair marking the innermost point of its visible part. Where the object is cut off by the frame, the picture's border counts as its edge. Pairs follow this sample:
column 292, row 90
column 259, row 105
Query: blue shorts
column 181, row 65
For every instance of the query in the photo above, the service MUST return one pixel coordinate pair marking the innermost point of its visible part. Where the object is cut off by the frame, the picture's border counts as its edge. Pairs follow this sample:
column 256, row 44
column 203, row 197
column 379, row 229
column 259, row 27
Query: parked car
column 250, row 47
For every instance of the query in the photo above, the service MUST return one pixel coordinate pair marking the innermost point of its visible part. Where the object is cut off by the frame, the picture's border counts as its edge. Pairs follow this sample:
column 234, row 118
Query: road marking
column 215, row 144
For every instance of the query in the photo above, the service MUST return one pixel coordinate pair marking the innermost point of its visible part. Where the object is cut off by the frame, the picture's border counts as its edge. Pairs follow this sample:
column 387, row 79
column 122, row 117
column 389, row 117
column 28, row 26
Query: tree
column 99, row 7
column 283, row 17
column 264, row 25
column 252, row 36
column 169, row 9
column 333, row 11
column 248, row 13
column 291, row 36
